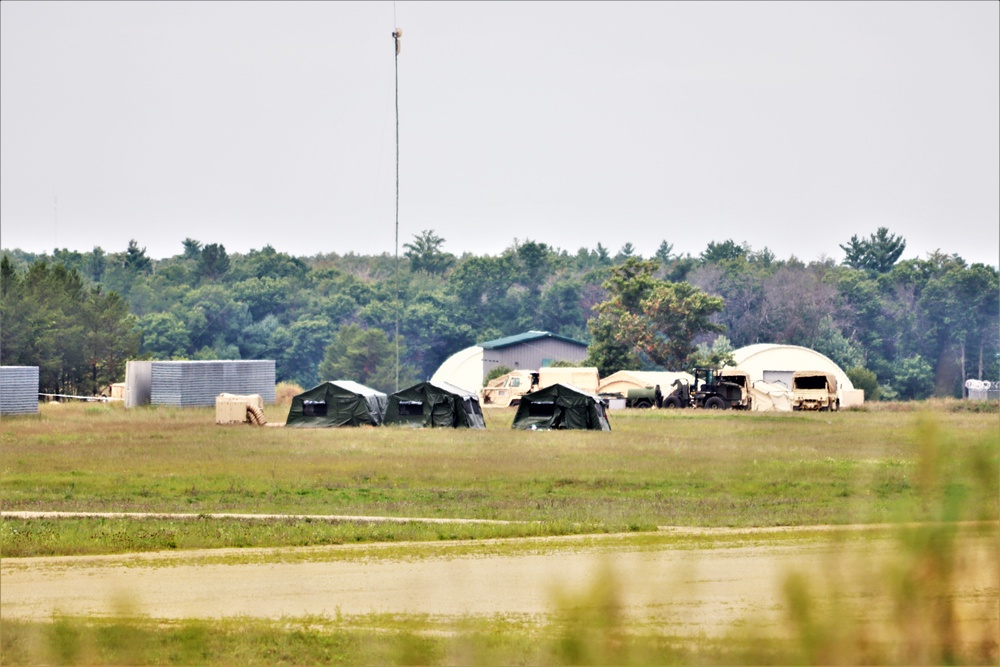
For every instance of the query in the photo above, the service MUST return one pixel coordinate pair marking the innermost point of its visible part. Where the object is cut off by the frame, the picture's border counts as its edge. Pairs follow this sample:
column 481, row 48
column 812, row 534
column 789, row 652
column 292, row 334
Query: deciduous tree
column 649, row 319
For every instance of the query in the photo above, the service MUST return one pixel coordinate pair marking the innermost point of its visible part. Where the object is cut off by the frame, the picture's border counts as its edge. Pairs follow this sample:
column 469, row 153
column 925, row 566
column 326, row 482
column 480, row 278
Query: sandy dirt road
column 689, row 590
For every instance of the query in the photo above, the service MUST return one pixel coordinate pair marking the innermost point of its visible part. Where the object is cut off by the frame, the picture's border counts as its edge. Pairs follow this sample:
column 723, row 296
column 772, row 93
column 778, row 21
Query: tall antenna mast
column 395, row 38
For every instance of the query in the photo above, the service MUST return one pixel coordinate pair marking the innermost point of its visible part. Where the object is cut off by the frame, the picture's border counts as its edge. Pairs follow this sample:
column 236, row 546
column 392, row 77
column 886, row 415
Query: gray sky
column 786, row 125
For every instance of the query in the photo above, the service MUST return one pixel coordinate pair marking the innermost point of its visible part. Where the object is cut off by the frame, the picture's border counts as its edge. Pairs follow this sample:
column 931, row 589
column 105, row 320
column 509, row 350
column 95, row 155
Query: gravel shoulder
column 690, row 590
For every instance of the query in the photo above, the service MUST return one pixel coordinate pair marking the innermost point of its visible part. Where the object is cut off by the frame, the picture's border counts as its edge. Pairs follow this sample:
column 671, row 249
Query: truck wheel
column 715, row 403
column 671, row 403
column 643, row 404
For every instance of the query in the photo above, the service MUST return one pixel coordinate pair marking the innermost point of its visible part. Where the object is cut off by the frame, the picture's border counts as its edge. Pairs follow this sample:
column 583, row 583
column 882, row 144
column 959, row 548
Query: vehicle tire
column 715, row 403
column 516, row 402
column 671, row 404
column 643, row 404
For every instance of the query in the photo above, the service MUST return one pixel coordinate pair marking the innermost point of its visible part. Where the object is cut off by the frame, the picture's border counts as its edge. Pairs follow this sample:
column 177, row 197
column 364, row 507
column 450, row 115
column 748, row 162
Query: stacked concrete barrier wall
column 18, row 390
column 197, row 383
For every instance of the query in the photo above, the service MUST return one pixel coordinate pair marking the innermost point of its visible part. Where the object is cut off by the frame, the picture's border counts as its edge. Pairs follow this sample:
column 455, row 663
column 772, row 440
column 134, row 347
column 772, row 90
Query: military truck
column 814, row 390
column 507, row 390
column 713, row 390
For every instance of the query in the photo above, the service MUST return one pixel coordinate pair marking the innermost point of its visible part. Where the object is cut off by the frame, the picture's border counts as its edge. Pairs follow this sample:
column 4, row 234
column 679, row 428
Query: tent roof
column 355, row 387
column 463, row 369
column 454, row 389
column 745, row 353
column 527, row 337
column 561, row 390
column 442, row 387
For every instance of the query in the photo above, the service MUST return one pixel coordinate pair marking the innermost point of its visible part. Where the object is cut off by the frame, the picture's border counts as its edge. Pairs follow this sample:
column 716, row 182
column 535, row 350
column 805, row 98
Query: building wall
column 532, row 355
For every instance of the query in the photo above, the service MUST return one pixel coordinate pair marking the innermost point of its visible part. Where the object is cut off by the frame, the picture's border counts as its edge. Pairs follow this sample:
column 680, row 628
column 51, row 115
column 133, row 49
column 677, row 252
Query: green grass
column 656, row 468
column 89, row 536
column 426, row 545
column 934, row 466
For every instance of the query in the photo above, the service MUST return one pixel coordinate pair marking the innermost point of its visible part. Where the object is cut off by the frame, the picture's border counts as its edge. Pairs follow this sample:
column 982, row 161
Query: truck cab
column 712, row 389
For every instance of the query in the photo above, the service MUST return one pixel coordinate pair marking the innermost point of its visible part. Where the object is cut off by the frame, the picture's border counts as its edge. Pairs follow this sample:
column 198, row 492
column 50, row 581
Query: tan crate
column 232, row 408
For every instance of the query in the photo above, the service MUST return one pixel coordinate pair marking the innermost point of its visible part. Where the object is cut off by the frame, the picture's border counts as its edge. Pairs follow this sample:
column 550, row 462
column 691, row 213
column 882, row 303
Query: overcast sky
column 788, row 125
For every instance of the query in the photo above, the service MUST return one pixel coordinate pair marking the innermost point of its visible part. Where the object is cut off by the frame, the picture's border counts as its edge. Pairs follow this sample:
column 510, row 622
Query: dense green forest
column 905, row 329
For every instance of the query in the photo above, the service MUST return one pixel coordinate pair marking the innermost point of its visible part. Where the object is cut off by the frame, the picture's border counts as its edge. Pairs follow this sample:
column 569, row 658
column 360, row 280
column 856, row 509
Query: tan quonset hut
column 771, row 366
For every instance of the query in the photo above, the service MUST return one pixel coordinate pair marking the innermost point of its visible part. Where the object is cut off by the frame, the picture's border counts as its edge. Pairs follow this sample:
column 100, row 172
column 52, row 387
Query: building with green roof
column 530, row 350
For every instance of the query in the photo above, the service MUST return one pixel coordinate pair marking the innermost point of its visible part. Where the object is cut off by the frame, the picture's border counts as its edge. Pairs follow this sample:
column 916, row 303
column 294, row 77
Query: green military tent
column 561, row 406
column 337, row 403
column 435, row 404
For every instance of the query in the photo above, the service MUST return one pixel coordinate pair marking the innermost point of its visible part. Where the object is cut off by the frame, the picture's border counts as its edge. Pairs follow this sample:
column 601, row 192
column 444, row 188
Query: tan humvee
column 814, row 390
column 508, row 389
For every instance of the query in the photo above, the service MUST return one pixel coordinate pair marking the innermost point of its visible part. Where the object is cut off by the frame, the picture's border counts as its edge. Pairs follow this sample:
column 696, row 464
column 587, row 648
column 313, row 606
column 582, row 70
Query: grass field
column 656, row 468
column 932, row 463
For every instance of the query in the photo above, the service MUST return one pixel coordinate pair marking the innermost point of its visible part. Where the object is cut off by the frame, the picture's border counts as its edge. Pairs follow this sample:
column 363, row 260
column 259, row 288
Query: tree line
column 904, row 328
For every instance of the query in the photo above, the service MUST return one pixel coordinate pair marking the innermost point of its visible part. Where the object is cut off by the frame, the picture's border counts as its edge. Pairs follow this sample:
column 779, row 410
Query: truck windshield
column 810, row 382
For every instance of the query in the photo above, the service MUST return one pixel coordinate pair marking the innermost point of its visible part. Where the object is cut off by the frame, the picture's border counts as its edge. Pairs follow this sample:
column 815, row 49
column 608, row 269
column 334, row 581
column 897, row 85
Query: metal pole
column 395, row 37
